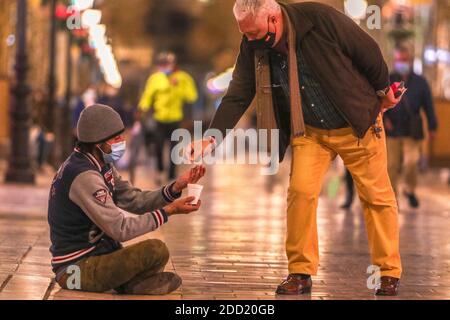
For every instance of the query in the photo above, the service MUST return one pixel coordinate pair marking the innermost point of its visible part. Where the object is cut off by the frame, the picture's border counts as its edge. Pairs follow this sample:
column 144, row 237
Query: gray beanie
column 98, row 123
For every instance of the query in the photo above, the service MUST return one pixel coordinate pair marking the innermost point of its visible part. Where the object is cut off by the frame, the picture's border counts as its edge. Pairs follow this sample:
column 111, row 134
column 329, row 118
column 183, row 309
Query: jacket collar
column 301, row 22
column 90, row 157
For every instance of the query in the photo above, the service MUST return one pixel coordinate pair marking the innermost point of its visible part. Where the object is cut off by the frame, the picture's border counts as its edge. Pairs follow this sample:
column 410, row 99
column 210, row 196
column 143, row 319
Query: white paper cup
column 194, row 190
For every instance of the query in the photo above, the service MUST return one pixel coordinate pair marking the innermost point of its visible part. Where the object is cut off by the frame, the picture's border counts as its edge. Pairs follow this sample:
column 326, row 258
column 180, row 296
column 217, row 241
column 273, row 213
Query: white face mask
column 402, row 67
column 117, row 151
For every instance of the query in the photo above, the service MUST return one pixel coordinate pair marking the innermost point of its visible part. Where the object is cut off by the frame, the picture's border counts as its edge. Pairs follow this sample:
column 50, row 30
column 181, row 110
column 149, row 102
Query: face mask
column 402, row 68
column 167, row 72
column 265, row 42
column 117, row 152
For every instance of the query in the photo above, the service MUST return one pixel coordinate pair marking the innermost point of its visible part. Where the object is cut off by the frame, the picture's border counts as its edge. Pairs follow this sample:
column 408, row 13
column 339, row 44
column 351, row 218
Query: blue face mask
column 402, row 68
column 117, row 152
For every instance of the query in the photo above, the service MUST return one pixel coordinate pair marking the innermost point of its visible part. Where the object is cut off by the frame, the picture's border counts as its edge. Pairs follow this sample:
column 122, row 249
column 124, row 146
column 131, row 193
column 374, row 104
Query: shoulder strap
column 297, row 121
column 264, row 103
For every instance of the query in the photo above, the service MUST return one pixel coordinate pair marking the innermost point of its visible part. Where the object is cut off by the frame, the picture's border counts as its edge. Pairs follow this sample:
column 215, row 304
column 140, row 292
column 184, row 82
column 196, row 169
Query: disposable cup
column 194, row 190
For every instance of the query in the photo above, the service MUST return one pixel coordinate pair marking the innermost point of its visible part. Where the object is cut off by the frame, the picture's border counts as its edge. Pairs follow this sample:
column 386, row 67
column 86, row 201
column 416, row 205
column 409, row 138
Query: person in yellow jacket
column 166, row 92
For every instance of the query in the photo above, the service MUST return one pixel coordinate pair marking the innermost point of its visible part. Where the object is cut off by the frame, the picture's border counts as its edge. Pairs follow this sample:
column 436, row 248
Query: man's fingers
column 191, row 174
column 195, row 207
column 196, row 173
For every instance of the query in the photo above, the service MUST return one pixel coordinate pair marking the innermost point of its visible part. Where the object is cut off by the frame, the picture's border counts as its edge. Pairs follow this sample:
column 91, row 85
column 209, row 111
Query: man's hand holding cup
column 188, row 180
column 182, row 206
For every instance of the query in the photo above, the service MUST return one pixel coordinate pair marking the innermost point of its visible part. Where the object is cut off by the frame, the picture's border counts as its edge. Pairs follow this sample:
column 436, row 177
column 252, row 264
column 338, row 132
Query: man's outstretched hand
column 199, row 149
column 190, row 176
column 182, row 206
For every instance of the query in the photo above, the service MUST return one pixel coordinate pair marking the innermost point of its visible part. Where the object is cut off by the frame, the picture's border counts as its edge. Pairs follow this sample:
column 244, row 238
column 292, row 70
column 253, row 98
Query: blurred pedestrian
column 87, row 98
column 404, row 127
column 112, row 96
column 41, row 137
column 166, row 92
column 349, row 190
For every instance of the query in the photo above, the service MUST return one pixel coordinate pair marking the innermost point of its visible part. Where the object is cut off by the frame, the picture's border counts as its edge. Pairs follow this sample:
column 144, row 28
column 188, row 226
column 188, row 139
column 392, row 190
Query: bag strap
column 265, row 109
column 297, row 121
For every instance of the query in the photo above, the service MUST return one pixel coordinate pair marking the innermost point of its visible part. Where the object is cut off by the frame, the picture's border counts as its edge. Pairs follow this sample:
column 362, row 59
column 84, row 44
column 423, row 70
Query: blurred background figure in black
column 349, row 190
column 87, row 98
column 42, row 139
column 113, row 97
column 404, row 125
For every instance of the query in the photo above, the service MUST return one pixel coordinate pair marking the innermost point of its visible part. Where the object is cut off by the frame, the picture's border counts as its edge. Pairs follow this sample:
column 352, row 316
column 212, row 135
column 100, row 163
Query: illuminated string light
column 90, row 19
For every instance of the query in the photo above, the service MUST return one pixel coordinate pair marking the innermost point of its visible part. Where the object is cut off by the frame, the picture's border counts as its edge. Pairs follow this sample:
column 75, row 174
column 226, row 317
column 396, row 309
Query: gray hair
column 243, row 8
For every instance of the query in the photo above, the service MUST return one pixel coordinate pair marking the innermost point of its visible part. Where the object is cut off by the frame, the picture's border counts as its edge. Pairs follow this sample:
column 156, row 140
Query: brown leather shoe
column 388, row 286
column 295, row 284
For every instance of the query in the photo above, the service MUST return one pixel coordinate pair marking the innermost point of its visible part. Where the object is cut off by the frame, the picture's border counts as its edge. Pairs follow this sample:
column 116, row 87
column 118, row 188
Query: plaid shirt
column 318, row 110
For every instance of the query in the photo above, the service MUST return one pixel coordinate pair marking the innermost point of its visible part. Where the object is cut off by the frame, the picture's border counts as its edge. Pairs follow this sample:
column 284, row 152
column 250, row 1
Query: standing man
column 404, row 127
column 323, row 82
column 87, row 217
column 167, row 91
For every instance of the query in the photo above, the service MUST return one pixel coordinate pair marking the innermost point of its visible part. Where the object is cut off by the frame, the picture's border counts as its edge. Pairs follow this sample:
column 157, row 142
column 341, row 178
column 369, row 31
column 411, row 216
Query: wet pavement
column 233, row 248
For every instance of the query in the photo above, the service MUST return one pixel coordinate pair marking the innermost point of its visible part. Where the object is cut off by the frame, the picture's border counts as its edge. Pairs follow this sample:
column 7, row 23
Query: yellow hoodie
column 168, row 94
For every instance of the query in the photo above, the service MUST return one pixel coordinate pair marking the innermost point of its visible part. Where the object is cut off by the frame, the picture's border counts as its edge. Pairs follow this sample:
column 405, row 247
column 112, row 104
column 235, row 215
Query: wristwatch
column 384, row 92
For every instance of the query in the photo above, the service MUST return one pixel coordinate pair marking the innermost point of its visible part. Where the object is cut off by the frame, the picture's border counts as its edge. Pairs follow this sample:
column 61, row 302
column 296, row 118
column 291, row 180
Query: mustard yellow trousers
column 366, row 159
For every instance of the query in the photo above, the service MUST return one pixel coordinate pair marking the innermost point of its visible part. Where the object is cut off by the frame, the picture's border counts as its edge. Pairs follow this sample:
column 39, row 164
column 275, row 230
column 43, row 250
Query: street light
column 19, row 167
column 51, row 100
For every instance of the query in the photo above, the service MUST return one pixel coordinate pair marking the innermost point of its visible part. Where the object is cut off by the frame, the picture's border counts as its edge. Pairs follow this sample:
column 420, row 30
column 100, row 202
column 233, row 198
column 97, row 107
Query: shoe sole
column 383, row 294
column 300, row 292
column 168, row 282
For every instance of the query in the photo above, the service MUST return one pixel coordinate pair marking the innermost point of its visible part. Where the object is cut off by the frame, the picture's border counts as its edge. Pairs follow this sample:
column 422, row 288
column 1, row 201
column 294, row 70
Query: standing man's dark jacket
column 344, row 59
column 405, row 118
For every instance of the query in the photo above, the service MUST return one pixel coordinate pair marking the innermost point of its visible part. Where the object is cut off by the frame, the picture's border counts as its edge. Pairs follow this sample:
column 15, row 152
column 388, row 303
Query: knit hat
column 99, row 123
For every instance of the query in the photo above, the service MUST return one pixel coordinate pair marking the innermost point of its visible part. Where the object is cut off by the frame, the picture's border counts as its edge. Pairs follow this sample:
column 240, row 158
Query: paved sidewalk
column 234, row 247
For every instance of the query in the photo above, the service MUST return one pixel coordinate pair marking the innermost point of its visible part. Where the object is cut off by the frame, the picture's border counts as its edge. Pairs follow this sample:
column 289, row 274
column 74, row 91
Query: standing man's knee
column 301, row 191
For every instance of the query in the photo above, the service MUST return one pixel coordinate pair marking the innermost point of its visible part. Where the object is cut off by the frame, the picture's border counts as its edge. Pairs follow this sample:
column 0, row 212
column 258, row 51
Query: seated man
column 87, row 223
